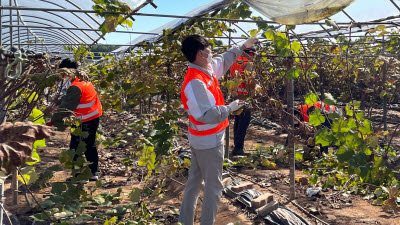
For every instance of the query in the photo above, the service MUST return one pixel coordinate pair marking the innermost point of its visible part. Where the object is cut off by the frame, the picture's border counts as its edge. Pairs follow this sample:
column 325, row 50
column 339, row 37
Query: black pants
column 240, row 126
column 91, row 149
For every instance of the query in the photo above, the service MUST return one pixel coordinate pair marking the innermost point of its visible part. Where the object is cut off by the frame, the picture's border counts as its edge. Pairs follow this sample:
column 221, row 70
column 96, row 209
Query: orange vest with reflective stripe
column 303, row 109
column 239, row 66
column 213, row 86
column 89, row 107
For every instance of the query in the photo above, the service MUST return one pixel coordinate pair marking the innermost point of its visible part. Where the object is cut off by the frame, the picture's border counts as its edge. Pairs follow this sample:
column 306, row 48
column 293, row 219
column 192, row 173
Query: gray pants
column 206, row 164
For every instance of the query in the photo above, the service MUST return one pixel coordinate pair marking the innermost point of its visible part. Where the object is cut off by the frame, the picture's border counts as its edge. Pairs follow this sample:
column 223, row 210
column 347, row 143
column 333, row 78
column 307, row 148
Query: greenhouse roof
column 51, row 24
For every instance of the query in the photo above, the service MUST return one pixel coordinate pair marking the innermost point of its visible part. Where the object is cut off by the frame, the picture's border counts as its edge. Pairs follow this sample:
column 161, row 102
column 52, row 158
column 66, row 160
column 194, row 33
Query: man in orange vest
column 303, row 112
column 81, row 99
column 208, row 117
column 242, row 67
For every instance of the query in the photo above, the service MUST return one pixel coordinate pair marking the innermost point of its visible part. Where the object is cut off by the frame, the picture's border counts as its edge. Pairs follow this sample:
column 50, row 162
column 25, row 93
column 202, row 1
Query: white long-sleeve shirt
column 201, row 102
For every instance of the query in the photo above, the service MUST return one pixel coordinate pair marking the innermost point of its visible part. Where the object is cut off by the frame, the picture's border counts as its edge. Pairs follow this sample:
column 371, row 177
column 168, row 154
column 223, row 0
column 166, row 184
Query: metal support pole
column 14, row 186
column 11, row 24
column 1, row 26
column 385, row 68
column 1, row 201
column 3, row 108
column 227, row 129
column 290, row 112
column 19, row 34
column 384, row 77
column 2, row 101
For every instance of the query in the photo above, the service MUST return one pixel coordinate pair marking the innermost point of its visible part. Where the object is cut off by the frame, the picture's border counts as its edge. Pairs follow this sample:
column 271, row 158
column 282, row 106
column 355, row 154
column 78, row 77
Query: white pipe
column 1, row 201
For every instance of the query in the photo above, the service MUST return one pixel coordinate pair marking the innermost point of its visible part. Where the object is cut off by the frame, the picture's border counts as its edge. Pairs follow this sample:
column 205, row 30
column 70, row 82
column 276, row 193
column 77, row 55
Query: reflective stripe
column 327, row 108
column 87, row 105
column 240, row 89
column 202, row 127
column 194, row 121
column 210, row 82
column 217, row 129
column 87, row 116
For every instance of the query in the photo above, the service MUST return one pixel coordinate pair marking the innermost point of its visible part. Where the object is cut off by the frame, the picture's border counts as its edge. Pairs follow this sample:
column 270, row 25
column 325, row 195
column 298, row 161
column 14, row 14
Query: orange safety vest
column 303, row 109
column 213, row 86
column 239, row 66
column 89, row 107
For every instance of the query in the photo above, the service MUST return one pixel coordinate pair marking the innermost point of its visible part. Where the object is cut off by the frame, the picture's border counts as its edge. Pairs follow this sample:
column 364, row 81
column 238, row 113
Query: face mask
column 209, row 58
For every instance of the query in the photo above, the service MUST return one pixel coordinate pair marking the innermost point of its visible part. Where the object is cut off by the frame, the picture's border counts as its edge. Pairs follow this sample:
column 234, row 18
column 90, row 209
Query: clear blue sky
column 360, row 10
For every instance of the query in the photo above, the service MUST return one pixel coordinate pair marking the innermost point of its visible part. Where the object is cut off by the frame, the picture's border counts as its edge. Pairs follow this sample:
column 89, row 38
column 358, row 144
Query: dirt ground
column 354, row 211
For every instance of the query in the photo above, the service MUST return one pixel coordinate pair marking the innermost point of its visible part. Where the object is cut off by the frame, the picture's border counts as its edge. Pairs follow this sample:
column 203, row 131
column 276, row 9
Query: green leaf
column 253, row 32
column 373, row 141
column 329, row 99
column 360, row 116
column 316, row 118
column 35, row 155
column 334, row 116
column 383, row 93
column 356, row 104
column 295, row 46
column 135, row 194
column 28, row 176
column 111, row 221
column 37, row 117
column 293, row 73
column 66, row 158
column 99, row 199
column 366, row 128
column 344, row 154
column 351, row 124
column 58, row 188
column 380, row 28
column 313, row 74
column 46, row 204
column 284, row 52
column 269, row 35
column 299, row 156
column 148, row 157
column 311, row 98
column 340, row 126
column 349, row 111
column 323, row 137
column 81, row 148
column 99, row 183
column 332, row 24
column 33, row 97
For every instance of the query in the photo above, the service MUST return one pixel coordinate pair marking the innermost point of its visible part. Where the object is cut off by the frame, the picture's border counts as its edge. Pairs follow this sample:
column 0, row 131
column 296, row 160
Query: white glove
column 235, row 105
column 250, row 42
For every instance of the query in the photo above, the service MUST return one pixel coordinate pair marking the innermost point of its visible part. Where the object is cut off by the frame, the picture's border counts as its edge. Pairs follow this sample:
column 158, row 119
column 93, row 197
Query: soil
column 352, row 209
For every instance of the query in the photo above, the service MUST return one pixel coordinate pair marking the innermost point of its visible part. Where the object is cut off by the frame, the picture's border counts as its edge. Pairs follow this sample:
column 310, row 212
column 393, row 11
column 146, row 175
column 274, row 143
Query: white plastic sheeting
column 292, row 12
column 42, row 19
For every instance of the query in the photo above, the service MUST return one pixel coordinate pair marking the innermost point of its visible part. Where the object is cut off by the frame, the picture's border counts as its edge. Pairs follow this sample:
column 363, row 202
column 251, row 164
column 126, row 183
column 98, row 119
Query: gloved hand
column 250, row 42
column 50, row 124
column 235, row 105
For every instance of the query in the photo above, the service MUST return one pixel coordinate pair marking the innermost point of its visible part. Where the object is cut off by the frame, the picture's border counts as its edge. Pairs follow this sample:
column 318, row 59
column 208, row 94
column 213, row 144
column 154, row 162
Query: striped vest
column 202, row 129
column 328, row 109
column 239, row 66
column 89, row 107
